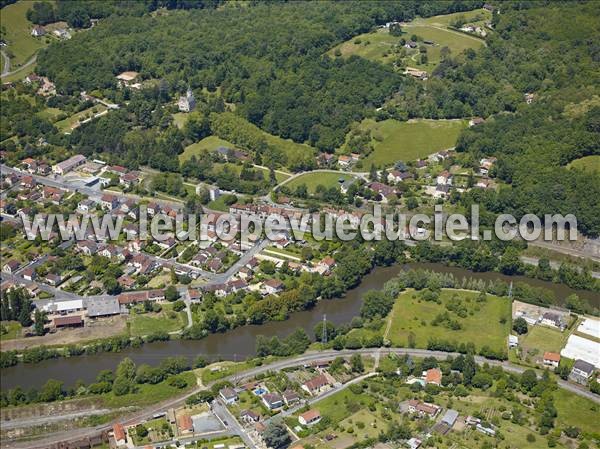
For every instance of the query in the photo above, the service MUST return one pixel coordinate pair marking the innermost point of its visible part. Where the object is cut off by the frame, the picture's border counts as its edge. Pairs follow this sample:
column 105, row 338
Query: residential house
column 444, row 179
column 249, row 416
column 344, row 161
column 272, row 400
column 128, row 180
column 383, row 191
column 185, row 424
column 309, row 418
column 38, row 31
column 423, row 408
column 316, row 385
column 86, row 205
column 582, row 372
column 228, row 395
column 11, row 266
column 486, row 164
column 551, row 359
column 290, row 397
column 119, row 434
column 396, row 176
column 109, row 202
column 433, row 376
column 54, row 279
column 476, row 121
column 272, row 286
column 441, row 191
column 553, row 320
column 28, row 274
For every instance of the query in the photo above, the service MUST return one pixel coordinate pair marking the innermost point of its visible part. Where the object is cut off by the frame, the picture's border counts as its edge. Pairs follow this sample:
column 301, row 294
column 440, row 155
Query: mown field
column 312, row 180
column 543, row 339
column 209, row 143
column 412, row 318
column 21, row 44
column 587, row 163
column 379, row 45
column 407, row 141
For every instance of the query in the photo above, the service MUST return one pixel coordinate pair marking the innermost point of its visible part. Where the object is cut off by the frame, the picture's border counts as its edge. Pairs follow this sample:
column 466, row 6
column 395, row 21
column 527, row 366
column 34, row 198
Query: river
column 239, row 343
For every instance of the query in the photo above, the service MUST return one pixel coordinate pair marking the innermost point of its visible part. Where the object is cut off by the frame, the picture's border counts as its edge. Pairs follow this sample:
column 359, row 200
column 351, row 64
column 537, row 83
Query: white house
column 309, row 418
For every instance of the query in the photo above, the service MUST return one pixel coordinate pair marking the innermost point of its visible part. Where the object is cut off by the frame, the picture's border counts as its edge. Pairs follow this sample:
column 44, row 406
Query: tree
column 126, row 369
column 122, row 386
column 40, row 320
column 141, row 431
column 276, row 435
column 376, row 303
column 356, row 363
column 330, row 330
column 171, row 293
column 520, row 326
column 51, row 391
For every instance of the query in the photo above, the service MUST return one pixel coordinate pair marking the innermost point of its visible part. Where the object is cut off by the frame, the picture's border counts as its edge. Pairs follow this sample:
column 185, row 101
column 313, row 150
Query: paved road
column 277, row 366
column 6, row 70
column 555, row 265
column 243, row 260
column 363, row 175
column 230, row 421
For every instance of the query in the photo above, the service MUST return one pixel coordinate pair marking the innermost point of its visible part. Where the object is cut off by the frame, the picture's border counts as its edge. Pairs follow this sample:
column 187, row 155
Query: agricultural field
column 406, row 141
column 312, row 180
column 587, row 163
column 21, row 44
column 484, row 323
column 377, row 45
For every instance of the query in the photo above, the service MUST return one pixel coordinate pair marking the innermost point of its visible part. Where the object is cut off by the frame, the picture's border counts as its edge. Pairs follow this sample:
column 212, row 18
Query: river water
column 239, row 343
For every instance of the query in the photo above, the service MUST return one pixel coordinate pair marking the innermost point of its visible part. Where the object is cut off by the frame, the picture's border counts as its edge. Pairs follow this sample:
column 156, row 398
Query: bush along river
column 239, row 343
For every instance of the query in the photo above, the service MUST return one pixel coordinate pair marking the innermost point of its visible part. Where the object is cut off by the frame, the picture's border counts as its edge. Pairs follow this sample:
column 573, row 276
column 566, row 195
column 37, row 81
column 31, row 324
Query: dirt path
column 102, row 329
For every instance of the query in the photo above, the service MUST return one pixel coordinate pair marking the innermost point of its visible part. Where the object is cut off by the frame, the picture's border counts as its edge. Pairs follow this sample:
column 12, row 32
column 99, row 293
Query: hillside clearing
column 407, row 141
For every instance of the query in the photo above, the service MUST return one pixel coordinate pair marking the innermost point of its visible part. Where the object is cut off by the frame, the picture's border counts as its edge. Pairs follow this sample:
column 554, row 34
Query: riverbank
column 279, row 365
column 239, row 343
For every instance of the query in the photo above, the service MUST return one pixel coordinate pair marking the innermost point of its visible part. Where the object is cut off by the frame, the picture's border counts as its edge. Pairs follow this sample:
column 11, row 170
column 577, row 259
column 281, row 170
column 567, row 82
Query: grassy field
column 209, row 143
column 312, row 180
column 581, row 412
column 166, row 321
column 21, row 44
column 13, row 330
column 543, row 339
column 147, row 394
column 477, row 16
column 406, row 141
column 482, row 325
column 50, row 114
column 587, row 163
column 68, row 124
column 376, row 46
column 379, row 45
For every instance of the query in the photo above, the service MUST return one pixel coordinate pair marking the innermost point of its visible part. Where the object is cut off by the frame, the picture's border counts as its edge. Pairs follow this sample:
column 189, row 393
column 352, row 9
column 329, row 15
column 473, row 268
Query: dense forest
column 267, row 58
column 266, row 63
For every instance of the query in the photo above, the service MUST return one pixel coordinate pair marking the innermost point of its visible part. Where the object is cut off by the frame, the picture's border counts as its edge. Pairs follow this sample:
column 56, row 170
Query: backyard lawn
column 482, row 324
column 407, row 141
column 312, row 180
column 543, row 339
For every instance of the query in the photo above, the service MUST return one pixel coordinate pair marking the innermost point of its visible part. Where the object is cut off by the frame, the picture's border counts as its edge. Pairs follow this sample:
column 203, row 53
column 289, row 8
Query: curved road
column 6, row 69
column 277, row 366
